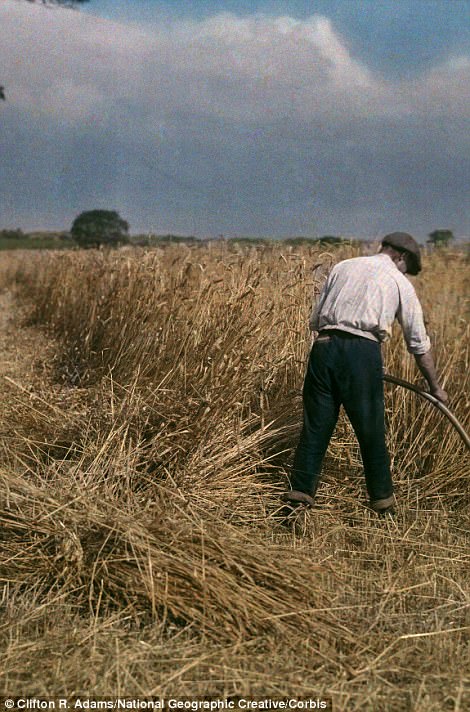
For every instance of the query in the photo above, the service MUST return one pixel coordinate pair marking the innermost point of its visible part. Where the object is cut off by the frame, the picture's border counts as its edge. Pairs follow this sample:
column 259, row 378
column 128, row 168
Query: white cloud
column 74, row 66
column 198, row 92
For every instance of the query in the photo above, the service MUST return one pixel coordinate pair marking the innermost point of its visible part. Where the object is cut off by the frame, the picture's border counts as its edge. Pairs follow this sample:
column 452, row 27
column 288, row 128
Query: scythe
column 437, row 403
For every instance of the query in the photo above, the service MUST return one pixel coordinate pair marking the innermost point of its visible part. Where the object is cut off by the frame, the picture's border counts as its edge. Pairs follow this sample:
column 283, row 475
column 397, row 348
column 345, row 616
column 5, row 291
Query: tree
column 12, row 234
column 440, row 238
column 99, row 227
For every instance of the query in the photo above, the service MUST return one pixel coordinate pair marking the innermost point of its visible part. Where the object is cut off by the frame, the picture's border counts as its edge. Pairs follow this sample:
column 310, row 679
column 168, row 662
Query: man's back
column 364, row 295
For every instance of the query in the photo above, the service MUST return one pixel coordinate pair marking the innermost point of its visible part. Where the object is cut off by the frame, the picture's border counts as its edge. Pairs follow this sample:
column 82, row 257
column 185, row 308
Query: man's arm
column 410, row 316
column 425, row 363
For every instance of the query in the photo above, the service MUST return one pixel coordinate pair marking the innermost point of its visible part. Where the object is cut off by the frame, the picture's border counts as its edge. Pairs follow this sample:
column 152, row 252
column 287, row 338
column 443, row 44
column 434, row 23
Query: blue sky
column 394, row 36
column 236, row 117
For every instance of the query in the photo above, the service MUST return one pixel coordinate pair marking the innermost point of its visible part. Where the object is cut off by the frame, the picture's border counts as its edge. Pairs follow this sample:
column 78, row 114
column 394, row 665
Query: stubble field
column 151, row 405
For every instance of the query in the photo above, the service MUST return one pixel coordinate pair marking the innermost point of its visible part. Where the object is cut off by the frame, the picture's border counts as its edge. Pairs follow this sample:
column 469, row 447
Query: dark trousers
column 343, row 370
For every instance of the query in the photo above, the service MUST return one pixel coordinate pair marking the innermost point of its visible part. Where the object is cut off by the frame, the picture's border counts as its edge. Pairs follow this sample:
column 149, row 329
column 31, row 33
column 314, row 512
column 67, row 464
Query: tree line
column 97, row 228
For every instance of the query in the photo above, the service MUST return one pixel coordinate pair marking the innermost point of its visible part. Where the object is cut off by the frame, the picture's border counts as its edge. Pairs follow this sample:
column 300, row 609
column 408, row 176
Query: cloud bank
column 253, row 125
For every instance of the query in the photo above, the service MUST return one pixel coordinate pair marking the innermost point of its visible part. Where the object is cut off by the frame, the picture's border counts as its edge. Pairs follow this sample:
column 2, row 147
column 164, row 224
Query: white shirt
column 364, row 295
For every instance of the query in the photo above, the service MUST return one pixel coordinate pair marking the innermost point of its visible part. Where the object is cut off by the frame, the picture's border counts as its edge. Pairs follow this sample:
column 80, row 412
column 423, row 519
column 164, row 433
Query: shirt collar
column 387, row 257
column 383, row 254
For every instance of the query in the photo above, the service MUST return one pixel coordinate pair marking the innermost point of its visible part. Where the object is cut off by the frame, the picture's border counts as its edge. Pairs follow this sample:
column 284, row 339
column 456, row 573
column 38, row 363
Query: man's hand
column 440, row 394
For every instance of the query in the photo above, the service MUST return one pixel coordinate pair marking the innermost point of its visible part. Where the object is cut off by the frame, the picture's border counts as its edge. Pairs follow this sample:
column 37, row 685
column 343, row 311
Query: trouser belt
column 339, row 332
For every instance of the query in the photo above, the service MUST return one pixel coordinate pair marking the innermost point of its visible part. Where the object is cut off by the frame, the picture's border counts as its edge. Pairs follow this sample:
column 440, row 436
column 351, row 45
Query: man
column 353, row 315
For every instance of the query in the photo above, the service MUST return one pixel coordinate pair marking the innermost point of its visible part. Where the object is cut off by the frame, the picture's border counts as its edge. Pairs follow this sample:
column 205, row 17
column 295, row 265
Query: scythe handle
column 427, row 396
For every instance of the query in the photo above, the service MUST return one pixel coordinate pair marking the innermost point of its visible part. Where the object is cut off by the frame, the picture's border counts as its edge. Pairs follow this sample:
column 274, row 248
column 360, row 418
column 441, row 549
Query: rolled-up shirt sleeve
column 410, row 317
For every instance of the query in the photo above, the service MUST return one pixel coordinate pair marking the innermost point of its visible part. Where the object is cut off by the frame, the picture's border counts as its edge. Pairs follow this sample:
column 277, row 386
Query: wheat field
column 151, row 406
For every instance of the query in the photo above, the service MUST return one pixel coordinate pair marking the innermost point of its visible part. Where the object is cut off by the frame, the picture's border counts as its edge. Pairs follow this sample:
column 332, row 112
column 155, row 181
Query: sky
column 327, row 117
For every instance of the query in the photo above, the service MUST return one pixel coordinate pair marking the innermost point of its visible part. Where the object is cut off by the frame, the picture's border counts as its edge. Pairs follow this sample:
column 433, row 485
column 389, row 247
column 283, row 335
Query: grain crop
column 151, row 408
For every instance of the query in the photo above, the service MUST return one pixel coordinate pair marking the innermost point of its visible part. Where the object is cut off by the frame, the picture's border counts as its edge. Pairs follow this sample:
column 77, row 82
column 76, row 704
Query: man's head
column 404, row 251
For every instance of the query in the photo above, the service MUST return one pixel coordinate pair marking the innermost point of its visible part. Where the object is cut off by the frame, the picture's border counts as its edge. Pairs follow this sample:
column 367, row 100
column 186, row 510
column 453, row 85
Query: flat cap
column 404, row 242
